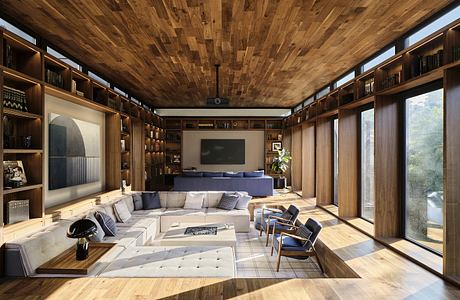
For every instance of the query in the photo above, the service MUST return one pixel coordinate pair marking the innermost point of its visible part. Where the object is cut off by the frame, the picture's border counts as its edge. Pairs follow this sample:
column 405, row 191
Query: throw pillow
column 121, row 211
column 151, row 200
column 137, row 198
column 107, row 223
column 254, row 174
column 243, row 202
column 233, row 174
column 194, row 200
column 192, row 174
column 99, row 235
column 228, row 201
column 304, row 232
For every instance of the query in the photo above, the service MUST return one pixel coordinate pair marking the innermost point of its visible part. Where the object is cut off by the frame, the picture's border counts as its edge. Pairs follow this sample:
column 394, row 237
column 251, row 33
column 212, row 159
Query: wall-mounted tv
column 222, row 152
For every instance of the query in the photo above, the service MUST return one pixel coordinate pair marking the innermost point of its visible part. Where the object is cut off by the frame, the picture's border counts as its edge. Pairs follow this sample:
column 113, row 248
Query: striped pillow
column 228, row 201
column 107, row 223
column 304, row 232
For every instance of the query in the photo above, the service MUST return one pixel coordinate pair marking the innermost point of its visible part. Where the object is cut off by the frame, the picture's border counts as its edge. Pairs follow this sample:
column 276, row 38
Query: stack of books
column 427, row 63
column 54, row 78
column 391, row 81
column 14, row 99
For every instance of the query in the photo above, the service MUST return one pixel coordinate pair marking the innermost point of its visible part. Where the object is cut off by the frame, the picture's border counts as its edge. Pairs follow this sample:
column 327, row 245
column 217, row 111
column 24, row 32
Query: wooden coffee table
column 175, row 236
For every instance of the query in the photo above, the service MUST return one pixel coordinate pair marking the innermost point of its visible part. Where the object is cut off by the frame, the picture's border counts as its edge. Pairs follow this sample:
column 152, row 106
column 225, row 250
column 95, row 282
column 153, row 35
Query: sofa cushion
column 243, row 201
column 194, row 200
column 239, row 218
column 212, row 198
column 228, row 201
column 192, row 174
column 121, row 211
column 107, row 223
column 151, row 200
column 137, row 200
column 127, row 237
column 108, row 210
column 128, row 199
column 99, row 235
column 233, row 174
column 213, row 174
column 149, row 213
column 174, row 215
column 175, row 199
column 254, row 174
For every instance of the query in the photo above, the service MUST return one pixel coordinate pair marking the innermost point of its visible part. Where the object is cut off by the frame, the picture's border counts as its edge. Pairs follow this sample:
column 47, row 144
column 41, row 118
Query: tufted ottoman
column 172, row 261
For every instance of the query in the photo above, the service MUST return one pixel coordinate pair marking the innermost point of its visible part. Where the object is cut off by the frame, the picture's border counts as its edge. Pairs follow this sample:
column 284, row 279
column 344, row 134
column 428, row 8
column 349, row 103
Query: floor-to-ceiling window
column 367, row 164
column 424, row 199
column 335, row 159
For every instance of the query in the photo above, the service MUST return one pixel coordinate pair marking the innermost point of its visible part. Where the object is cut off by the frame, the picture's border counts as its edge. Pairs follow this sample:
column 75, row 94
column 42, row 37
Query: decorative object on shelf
column 14, row 174
column 123, row 145
column 280, row 165
column 74, row 152
column 123, row 185
column 280, row 137
column 17, row 211
column 81, row 230
column 276, row 146
column 26, row 141
column 14, row 99
column 8, row 138
column 10, row 59
column 124, row 165
column 369, row 86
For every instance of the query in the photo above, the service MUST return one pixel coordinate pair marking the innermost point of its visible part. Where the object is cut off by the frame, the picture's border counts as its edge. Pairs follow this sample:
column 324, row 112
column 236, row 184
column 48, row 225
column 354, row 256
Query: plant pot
column 279, row 182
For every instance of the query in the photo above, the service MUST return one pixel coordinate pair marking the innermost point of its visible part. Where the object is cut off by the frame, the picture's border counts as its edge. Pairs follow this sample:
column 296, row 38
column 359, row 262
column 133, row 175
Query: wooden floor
column 383, row 275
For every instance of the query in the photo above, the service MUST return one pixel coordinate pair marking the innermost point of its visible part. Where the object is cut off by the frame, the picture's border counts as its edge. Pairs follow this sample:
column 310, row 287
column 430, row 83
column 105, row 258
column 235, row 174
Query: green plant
column 281, row 161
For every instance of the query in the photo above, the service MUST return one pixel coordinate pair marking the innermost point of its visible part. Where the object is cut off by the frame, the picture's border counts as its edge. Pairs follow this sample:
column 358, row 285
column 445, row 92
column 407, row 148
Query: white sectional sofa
column 26, row 254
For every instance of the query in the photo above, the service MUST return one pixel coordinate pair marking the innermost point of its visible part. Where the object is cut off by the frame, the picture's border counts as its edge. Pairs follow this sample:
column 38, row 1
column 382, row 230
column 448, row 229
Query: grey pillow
column 137, row 198
column 99, row 235
column 151, row 200
column 243, row 202
column 228, row 201
column 107, row 223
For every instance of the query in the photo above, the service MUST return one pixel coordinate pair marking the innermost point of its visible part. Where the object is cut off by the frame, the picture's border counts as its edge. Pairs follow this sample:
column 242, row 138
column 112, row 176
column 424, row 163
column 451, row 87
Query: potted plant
column 279, row 166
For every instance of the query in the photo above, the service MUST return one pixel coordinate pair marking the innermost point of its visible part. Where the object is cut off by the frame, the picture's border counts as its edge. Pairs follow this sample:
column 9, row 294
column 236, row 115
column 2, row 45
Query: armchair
column 287, row 218
column 300, row 245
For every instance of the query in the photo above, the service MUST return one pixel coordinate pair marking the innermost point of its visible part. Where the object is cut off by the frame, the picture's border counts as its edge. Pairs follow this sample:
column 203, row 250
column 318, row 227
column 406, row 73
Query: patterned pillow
column 107, row 223
column 99, row 235
column 228, row 201
column 304, row 232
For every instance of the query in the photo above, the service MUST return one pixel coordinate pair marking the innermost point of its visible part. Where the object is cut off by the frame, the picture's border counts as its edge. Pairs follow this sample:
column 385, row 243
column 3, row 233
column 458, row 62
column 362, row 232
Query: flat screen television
column 222, row 152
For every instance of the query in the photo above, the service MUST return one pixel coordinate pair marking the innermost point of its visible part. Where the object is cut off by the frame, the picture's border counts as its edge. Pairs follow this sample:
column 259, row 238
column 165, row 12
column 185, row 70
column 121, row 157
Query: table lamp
column 82, row 230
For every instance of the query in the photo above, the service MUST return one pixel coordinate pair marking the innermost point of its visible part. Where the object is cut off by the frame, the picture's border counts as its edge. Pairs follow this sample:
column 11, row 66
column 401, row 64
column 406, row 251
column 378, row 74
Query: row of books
column 456, row 53
column 391, row 80
column 153, row 147
column 10, row 59
column 368, row 86
column 54, row 78
column 426, row 63
column 14, row 99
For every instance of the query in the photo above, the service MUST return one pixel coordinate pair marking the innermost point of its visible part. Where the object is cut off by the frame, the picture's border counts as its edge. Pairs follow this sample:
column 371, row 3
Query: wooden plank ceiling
column 273, row 53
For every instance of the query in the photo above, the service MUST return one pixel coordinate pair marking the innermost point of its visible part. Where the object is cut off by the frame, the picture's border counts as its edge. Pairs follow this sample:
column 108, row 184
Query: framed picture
column 276, row 146
column 14, row 174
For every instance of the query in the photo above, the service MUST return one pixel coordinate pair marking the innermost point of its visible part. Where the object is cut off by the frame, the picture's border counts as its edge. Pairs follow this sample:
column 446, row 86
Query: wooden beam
column 296, row 165
column 112, row 151
column 348, row 163
column 137, row 155
column 324, row 162
column 308, row 160
column 387, row 167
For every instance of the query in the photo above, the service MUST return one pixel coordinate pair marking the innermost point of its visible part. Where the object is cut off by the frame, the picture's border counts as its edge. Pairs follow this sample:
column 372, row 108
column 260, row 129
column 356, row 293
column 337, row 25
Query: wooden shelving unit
column 273, row 134
column 154, row 152
column 173, row 148
column 32, row 71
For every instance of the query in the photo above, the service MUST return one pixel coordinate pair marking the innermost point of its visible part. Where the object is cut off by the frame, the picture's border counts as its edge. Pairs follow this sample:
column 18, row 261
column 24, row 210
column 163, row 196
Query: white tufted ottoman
column 172, row 261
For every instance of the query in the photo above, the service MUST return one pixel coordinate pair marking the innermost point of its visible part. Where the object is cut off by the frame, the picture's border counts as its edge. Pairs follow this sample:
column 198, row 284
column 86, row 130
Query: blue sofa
column 255, row 183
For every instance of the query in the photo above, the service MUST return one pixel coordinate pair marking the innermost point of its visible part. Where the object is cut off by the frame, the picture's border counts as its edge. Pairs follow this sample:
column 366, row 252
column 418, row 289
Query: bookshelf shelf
column 20, row 114
column 22, row 189
column 22, row 151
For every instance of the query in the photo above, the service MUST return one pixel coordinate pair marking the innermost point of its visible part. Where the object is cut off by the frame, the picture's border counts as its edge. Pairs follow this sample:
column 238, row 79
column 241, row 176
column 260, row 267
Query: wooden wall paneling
column 112, row 151
column 287, row 143
column 137, row 155
column 296, row 163
column 308, row 160
column 387, row 221
column 451, row 255
column 324, row 187
column 348, row 184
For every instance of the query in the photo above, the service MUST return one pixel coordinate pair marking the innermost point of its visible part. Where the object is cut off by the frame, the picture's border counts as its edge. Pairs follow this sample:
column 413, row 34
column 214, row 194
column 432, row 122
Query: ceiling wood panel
column 273, row 53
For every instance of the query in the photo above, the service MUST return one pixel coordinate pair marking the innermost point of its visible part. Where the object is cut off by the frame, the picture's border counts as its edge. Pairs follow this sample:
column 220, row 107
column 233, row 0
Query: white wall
column 254, row 147
column 59, row 106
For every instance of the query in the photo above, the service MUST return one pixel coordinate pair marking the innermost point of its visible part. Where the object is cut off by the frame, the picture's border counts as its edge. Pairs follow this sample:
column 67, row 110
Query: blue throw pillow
column 192, row 174
column 233, row 174
column 254, row 174
column 228, row 201
column 107, row 223
column 151, row 200
column 213, row 174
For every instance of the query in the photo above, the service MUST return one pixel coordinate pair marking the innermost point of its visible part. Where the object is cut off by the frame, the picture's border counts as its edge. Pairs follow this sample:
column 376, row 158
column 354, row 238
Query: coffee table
column 175, row 236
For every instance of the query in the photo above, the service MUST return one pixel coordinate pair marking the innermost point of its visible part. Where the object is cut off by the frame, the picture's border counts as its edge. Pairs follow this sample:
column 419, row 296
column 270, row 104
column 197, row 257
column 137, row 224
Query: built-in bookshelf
column 420, row 64
column 154, row 152
column 26, row 74
column 273, row 140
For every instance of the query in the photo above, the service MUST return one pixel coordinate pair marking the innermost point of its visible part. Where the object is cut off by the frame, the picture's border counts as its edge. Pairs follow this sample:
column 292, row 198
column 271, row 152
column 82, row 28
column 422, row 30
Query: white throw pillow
column 194, row 200
column 243, row 202
column 121, row 211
